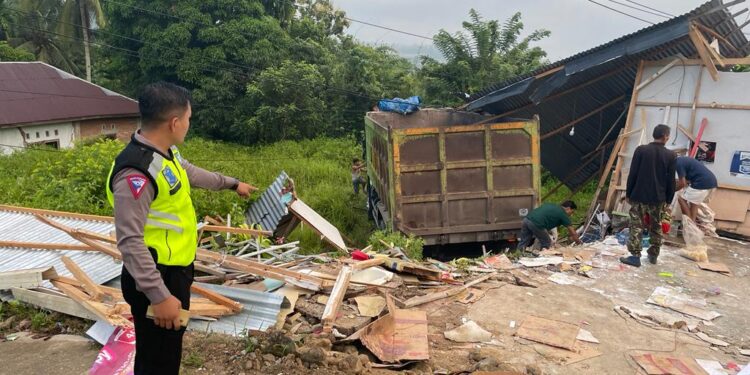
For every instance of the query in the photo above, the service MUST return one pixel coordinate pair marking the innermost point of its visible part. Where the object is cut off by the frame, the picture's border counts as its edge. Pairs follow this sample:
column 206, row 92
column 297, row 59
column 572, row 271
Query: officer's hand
column 244, row 190
column 167, row 313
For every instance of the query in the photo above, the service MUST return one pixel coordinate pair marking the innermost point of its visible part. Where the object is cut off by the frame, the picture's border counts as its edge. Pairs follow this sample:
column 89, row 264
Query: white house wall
column 11, row 137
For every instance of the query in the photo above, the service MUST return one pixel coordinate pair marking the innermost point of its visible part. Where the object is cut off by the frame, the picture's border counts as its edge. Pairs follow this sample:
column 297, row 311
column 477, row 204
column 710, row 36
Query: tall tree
column 87, row 14
column 32, row 30
column 483, row 53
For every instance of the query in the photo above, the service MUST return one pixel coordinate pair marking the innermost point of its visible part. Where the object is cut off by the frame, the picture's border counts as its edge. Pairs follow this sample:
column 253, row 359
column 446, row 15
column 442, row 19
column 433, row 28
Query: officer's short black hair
column 661, row 131
column 569, row 204
column 161, row 100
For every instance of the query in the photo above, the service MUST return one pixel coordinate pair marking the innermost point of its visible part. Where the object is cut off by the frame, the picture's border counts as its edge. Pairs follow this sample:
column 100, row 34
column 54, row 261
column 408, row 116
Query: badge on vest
column 174, row 183
column 137, row 183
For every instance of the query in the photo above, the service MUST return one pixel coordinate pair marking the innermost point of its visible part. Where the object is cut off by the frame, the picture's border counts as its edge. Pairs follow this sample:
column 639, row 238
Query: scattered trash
column 584, row 335
column 666, row 274
column 745, row 352
column 541, row 261
column 711, row 367
column 468, row 332
column 512, row 324
column 695, row 248
column 677, row 301
column 550, row 332
column 500, row 261
column 657, row 364
column 370, row 306
column 400, row 335
column 711, row 340
column 562, row 279
column 716, row 267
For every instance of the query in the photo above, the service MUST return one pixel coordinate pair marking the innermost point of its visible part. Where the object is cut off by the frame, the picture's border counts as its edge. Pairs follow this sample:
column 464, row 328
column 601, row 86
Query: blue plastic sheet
column 398, row 105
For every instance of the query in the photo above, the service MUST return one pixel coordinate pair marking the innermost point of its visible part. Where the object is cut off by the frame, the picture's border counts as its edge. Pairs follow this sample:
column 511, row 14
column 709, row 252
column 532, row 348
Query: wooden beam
column 605, row 172
column 71, row 215
column 113, row 252
column 89, row 285
column 366, row 264
column 704, row 55
column 260, row 269
column 251, row 232
column 337, row 296
column 555, row 96
column 28, row 278
column 657, row 74
column 685, row 132
column 45, row 246
column 115, row 293
column 551, row 71
column 98, row 309
column 717, row 36
column 572, row 123
column 52, row 302
column 742, row 107
column 217, row 298
column 421, row 300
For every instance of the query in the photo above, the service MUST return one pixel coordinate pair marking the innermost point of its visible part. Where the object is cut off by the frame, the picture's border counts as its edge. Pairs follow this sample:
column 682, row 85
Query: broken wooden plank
column 319, row 224
column 550, row 332
column 45, row 246
column 420, row 300
column 98, row 309
column 217, row 298
column 704, row 55
column 295, row 278
column 657, row 74
column 356, row 266
column 89, row 285
column 95, row 245
column 28, row 278
column 184, row 315
column 52, row 302
column 337, row 296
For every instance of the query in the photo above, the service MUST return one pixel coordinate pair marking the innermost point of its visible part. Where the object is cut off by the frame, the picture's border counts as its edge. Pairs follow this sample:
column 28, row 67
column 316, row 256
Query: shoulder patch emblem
column 170, row 176
column 137, row 183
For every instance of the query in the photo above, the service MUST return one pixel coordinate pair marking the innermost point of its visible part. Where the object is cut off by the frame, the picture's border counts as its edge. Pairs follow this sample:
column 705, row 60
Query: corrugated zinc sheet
column 268, row 209
column 33, row 92
column 23, row 227
column 260, row 312
column 598, row 81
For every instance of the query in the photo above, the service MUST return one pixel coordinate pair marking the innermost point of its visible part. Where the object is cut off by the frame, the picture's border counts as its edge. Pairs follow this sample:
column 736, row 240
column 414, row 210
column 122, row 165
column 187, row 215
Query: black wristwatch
column 236, row 184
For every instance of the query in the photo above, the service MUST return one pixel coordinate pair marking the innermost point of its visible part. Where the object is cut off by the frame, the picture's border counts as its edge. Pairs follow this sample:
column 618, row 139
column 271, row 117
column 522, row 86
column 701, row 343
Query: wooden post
column 337, row 296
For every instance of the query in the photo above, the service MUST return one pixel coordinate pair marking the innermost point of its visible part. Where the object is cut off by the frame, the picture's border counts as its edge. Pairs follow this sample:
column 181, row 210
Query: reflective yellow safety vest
column 171, row 226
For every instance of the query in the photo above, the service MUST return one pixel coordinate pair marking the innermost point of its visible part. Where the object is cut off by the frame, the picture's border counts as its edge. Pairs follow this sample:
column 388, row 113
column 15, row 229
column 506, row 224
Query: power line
column 389, row 28
column 648, row 7
column 639, row 9
column 621, row 12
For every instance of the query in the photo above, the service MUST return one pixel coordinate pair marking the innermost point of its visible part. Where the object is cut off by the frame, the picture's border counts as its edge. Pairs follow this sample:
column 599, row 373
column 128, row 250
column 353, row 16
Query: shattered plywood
column 657, row 364
column 401, row 335
column 715, row 267
column 318, row 223
column 550, row 332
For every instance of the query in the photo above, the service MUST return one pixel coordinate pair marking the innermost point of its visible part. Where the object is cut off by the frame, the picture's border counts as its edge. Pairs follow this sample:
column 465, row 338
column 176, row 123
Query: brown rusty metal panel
column 467, row 211
column 419, row 149
column 464, row 146
column 421, row 215
column 512, row 177
column 510, row 144
column 512, row 208
column 466, row 180
column 420, row 183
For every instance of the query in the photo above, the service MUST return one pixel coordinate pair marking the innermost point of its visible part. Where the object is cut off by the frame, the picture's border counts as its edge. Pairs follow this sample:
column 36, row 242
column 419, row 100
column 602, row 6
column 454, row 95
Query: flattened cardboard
column 550, row 332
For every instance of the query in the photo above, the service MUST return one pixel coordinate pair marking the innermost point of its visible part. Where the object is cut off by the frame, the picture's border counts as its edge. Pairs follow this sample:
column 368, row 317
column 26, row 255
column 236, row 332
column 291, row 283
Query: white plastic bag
column 695, row 248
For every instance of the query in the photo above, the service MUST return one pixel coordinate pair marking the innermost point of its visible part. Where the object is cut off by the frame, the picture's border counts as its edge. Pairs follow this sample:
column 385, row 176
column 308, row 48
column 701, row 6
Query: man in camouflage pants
column 650, row 189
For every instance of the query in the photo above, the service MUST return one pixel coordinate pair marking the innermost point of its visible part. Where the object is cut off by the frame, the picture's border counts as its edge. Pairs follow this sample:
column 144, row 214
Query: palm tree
column 87, row 14
column 32, row 28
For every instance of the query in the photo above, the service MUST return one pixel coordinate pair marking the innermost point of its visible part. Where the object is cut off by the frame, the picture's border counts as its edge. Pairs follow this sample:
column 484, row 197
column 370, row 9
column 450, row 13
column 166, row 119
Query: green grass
column 73, row 180
column 582, row 197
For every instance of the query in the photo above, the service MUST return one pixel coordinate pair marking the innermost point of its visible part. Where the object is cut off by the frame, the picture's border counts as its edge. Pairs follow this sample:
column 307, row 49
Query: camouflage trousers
column 647, row 217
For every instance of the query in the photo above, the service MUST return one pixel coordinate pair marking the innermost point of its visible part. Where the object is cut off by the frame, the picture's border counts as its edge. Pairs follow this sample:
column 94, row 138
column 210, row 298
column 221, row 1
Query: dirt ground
column 590, row 303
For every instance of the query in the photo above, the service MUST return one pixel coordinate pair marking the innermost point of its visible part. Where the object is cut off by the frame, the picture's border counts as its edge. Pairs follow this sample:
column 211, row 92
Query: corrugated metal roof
column 34, row 92
column 589, row 80
column 24, row 227
column 268, row 209
column 260, row 312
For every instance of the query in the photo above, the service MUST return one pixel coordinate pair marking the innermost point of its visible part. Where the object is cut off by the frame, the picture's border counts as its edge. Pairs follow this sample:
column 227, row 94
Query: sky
column 575, row 25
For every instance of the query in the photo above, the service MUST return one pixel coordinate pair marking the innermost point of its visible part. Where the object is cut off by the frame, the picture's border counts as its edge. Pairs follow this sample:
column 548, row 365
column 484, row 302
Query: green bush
column 73, row 180
column 411, row 245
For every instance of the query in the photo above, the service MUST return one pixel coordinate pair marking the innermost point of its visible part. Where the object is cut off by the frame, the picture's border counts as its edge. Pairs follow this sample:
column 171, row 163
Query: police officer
column 149, row 187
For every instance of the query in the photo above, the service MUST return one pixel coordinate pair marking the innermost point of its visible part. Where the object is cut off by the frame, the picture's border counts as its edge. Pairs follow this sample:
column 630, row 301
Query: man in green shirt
column 543, row 218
